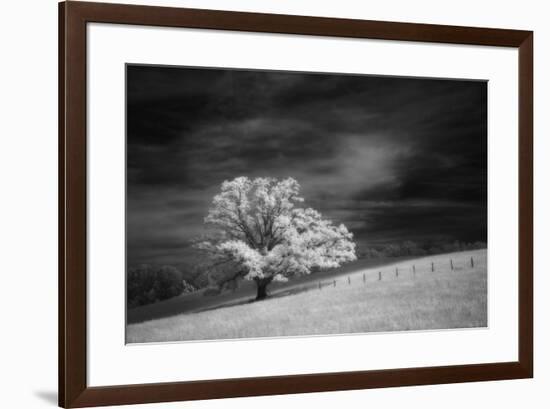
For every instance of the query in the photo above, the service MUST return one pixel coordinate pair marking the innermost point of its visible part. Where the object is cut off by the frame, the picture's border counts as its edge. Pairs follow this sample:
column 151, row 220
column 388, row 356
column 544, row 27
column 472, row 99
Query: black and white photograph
column 275, row 203
column 286, row 204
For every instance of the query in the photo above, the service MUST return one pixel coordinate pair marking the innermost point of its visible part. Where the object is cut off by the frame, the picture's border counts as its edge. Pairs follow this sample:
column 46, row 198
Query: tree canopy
column 261, row 234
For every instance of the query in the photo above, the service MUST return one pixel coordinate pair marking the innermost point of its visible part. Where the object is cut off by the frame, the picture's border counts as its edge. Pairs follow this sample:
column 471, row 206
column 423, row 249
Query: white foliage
column 262, row 230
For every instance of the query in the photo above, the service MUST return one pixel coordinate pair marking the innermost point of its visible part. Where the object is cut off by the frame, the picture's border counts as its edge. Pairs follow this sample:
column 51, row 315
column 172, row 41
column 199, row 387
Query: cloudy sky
column 393, row 159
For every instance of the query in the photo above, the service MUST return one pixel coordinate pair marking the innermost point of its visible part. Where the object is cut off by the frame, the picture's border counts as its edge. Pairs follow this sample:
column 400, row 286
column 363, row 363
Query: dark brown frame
column 73, row 388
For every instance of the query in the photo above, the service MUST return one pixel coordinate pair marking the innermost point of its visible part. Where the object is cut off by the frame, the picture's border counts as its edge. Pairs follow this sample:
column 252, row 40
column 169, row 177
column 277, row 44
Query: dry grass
column 425, row 300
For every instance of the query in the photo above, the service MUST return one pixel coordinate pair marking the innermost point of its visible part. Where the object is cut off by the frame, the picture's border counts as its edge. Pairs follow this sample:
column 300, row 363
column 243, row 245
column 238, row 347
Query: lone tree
column 260, row 234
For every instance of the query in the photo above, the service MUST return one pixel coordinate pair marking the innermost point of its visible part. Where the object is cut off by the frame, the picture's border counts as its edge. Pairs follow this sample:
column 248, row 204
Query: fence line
column 452, row 266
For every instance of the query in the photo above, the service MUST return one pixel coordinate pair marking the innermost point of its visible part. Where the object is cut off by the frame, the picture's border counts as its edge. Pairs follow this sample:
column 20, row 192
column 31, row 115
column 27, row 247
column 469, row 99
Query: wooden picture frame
column 73, row 388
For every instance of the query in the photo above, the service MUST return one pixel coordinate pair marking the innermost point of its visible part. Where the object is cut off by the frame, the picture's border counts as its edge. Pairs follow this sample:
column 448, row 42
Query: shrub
column 147, row 284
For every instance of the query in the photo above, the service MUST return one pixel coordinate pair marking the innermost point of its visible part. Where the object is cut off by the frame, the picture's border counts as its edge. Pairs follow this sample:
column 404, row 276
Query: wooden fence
column 401, row 271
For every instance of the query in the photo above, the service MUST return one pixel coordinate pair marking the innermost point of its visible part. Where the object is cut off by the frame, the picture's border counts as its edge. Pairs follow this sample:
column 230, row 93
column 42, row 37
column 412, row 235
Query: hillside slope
column 342, row 302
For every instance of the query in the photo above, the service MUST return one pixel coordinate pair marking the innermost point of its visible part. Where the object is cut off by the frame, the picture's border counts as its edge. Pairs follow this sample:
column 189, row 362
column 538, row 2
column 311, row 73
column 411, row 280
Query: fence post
column 452, row 268
column 349, row 281
column 364, row 279
column 432, row 266
column 414, row 270
column 379, row 276
column 472, row 261
column 335, row 283
column 396, row 272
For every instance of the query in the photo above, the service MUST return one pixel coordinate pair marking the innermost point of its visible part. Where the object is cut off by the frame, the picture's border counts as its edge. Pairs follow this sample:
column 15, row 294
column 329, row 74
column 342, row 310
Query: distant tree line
column 411, row 248
column 147, row 284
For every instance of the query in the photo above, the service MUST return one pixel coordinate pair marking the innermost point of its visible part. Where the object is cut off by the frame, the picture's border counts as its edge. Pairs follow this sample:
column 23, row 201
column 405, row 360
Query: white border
column 110, row 362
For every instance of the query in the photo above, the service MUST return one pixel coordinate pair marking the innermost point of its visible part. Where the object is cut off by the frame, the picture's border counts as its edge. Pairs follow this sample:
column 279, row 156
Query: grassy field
column 196, row 302
column 338, row 302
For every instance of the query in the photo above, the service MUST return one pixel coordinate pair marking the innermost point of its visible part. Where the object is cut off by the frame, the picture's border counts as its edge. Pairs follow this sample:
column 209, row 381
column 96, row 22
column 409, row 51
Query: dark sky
column 393, row 159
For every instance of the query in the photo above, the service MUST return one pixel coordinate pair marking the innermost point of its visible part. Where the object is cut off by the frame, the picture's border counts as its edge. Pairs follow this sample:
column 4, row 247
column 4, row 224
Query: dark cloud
column 392, row 158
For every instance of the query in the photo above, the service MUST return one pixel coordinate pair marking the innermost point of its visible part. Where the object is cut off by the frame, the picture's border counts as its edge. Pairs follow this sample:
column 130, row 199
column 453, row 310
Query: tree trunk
column 261, row 285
